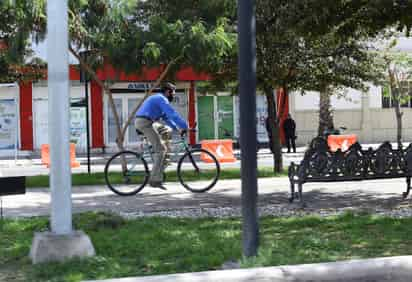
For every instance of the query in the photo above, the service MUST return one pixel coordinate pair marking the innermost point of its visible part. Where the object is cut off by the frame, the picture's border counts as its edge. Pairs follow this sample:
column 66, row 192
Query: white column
column 58, row 89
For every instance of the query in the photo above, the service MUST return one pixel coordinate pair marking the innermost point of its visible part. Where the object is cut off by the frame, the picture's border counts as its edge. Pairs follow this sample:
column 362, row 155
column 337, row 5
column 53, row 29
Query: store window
column 215, row 117
column 125, row 101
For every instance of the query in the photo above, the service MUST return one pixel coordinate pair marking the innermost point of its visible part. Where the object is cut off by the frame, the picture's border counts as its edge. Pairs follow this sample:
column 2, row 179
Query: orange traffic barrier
column 45, row 155
column 342, row 142
column 221, row 149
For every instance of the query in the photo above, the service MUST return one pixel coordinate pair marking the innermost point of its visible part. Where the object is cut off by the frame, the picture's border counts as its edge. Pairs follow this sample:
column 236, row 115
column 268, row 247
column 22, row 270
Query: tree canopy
column 134, row 34
column 20, row 22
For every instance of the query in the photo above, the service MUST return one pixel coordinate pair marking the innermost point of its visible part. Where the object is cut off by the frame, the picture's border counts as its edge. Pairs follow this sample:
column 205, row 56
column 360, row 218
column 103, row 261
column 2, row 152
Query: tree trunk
column 325, row 112
column 395, row 95
column 398, row 115
column 274, row 134
column 157, row 83
column 121, row 130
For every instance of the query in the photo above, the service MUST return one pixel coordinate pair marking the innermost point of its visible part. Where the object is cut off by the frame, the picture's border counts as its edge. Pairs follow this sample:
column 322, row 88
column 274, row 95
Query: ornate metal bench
column 11, row 186
column 319, row 164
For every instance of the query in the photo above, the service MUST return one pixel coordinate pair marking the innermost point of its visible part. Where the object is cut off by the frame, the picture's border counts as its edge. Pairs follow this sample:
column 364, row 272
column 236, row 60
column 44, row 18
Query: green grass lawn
column 151, row 246
column 98, row 178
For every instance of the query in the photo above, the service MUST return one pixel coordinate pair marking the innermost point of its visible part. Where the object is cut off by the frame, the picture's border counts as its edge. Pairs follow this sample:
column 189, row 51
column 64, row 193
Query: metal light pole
column 248, row 144
column 85, row 78
column 59, row 117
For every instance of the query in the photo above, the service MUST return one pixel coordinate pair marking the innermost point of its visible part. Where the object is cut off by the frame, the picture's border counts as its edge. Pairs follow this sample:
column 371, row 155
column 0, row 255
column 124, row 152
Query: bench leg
column 408, row 187
column 292, row 192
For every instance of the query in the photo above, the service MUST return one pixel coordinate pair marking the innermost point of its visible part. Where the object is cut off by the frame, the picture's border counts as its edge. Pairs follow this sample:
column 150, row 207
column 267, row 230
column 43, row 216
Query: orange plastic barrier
column 45, row 155
column 221, row 149
column 342, row 142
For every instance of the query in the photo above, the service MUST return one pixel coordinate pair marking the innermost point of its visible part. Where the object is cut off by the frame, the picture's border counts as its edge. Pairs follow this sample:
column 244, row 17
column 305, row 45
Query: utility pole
column 61, row 242
column 248, row 143
column 59, row 117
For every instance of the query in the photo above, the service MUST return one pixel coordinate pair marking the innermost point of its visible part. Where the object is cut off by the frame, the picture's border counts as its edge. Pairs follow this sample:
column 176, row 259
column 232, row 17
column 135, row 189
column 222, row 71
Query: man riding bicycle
column 155, row 108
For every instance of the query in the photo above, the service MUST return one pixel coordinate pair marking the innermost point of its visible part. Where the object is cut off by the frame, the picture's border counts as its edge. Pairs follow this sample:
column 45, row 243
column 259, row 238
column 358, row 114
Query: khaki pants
column 159, row 136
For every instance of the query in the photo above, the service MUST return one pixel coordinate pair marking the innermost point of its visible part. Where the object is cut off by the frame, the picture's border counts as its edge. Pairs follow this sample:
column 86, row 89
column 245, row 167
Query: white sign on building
column 78, row 127
column 8, row 124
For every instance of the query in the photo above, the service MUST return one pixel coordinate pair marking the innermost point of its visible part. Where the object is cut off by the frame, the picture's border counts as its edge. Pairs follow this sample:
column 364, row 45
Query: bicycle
column 127, row 172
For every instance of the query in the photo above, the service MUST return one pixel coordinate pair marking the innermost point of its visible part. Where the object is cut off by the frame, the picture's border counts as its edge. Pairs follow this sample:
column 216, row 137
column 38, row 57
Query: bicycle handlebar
column 183, row 133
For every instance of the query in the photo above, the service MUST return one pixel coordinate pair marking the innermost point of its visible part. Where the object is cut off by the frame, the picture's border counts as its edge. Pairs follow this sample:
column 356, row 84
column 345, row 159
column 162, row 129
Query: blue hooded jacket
column 157, row 107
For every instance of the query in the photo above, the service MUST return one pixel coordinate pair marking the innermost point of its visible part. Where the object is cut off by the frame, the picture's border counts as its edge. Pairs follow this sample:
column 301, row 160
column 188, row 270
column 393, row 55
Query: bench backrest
column 320, row 164
column 12, row 185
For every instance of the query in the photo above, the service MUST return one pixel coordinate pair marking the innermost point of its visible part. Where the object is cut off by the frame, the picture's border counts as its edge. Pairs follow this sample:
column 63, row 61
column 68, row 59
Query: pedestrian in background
column 289, row 129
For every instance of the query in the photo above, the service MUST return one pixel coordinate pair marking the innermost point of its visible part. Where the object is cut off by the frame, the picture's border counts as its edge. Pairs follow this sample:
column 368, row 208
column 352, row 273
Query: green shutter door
column 225, row 117
column 205, row 117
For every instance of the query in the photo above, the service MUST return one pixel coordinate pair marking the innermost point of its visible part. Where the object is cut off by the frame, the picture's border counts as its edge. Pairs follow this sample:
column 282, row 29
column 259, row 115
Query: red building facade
column 96, row 100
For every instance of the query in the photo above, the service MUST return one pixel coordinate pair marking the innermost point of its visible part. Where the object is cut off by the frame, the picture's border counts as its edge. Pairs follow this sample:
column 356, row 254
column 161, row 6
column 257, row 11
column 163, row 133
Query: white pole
column 58, row 90
column 16, row 126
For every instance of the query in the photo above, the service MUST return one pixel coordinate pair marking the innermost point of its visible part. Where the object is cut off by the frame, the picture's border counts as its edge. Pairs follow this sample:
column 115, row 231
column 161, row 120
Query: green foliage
column 132, row 35
column 79, row 179
column 313, row 56
column 210, row 12
column 396, row 68
column 155, row 245
column 20, row 21
column 350, row 17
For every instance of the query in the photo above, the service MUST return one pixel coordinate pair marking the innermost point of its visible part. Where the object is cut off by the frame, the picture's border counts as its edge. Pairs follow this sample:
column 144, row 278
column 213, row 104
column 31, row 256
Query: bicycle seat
column 139, row 132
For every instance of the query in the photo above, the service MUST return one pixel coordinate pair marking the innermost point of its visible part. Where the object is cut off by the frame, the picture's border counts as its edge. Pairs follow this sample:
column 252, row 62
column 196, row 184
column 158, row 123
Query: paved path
column 224, row 199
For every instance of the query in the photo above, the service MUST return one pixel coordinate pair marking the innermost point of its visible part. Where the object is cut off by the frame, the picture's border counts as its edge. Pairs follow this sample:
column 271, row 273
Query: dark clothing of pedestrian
column 289, row 129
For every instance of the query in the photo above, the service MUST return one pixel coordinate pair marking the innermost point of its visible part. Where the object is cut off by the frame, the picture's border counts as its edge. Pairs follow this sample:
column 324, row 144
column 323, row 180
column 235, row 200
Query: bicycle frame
column 183, row 147
column 136, row 172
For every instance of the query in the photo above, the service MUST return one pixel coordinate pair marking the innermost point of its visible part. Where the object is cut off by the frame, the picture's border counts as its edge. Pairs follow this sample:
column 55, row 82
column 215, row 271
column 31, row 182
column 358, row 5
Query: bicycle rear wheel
column 126, row 173
column 195, row 175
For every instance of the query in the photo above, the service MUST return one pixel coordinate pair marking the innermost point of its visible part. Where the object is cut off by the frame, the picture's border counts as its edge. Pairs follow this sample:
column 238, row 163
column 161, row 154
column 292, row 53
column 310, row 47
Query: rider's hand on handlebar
column 183, row 132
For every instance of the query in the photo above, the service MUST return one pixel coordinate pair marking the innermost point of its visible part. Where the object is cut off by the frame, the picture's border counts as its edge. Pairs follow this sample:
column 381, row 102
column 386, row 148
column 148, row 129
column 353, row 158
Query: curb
column 394, row 269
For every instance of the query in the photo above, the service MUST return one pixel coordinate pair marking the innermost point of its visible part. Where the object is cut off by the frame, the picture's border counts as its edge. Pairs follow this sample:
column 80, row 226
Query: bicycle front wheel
column 195, row 175
column 126, row 173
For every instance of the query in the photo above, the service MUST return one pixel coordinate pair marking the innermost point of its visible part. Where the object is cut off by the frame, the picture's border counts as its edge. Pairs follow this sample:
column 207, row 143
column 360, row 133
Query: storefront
column 126, row 96
column 218, row 117
column 41, row 115
column 26, row 107
column 25, row 120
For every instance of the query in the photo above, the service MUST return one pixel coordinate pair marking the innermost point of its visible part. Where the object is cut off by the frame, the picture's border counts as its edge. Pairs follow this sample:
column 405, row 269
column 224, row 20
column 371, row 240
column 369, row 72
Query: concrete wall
column 361, row 113
column 380, row 127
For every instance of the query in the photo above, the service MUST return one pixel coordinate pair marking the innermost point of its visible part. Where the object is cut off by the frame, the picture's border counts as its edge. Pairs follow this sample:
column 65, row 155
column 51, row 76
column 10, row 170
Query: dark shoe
column 288, row 152
column 157, row 184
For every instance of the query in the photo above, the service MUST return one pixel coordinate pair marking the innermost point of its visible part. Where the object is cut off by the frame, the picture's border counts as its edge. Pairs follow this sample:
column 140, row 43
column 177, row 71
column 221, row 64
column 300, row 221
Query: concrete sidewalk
column 379, row 196
column 392, row 269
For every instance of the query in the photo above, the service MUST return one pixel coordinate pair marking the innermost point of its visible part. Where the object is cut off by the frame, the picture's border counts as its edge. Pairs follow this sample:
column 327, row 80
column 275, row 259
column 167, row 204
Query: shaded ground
column 273, row 194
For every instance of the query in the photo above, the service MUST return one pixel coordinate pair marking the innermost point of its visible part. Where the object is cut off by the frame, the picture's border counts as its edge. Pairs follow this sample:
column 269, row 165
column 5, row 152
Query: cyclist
column 155, row 108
